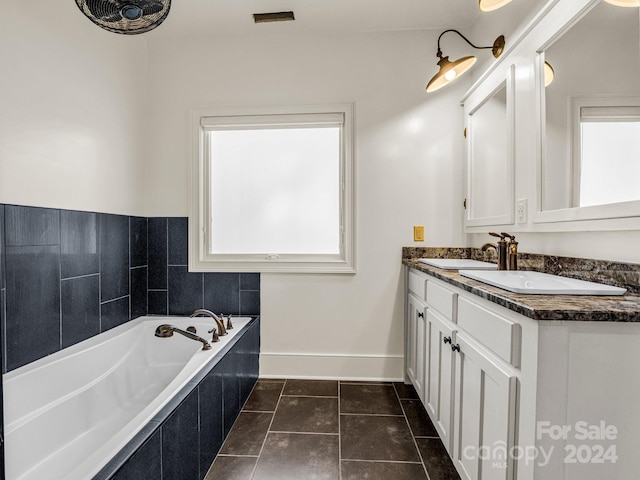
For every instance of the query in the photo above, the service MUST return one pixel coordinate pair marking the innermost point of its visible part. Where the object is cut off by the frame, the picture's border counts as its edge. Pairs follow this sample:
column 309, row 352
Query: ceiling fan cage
column 127, row 17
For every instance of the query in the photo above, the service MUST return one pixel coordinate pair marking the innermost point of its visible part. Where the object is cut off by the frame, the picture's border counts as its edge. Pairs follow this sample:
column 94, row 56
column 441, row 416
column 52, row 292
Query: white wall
column 408, row 154
column 72, row 99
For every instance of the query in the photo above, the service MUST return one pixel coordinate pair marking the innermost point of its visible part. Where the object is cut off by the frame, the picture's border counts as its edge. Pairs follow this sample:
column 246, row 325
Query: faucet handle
column 215, row 337
column 229, row 324
column 509, row 236
column 499, row 235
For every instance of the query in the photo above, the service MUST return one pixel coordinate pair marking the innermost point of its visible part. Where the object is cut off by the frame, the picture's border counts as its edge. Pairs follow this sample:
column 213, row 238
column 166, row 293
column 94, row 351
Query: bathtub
column 68, row 414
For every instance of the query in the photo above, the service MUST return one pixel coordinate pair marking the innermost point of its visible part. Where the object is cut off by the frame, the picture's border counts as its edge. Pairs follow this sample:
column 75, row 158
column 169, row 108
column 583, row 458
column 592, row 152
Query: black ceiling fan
column 128, row 17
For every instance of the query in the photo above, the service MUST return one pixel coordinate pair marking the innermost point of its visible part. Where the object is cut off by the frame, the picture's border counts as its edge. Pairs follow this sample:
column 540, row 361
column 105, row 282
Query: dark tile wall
column 173, row 290
column 69, row 275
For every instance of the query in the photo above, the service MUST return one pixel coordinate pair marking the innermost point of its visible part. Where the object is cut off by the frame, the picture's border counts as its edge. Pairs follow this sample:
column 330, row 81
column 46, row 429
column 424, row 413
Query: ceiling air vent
column 273, row 17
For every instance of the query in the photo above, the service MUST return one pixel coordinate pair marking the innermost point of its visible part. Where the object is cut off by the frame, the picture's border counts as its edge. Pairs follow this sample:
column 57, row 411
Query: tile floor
column 333, row 430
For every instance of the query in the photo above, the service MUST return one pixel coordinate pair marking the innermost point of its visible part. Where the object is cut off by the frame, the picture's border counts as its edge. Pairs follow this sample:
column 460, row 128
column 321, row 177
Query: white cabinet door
column 439, row 365
column 416, row 343
column 484, row 413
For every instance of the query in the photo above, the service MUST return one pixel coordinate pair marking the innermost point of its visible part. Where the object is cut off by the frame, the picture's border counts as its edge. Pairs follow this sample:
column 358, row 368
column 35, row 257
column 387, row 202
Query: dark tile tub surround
column 546, row 307
column 67, row 275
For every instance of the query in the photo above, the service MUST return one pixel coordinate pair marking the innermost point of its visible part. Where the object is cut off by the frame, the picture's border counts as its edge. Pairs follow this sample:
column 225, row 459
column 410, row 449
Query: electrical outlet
column 418, row 233
column 521, row 211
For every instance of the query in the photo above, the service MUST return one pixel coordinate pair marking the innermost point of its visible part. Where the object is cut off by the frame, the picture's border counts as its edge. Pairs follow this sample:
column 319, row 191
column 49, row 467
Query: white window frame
column 204, row 119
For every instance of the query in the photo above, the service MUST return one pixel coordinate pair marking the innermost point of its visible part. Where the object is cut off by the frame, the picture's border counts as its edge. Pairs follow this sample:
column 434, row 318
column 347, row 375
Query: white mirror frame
column 615, row 216
column 472, row 107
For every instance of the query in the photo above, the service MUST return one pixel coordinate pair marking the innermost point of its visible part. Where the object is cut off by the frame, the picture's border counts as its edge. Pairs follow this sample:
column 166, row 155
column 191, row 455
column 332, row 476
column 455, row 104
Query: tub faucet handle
column 229, row 324
column 215, row 337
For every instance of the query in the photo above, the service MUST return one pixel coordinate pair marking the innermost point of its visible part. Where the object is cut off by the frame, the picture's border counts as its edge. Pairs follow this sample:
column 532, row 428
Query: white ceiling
column 205, row 18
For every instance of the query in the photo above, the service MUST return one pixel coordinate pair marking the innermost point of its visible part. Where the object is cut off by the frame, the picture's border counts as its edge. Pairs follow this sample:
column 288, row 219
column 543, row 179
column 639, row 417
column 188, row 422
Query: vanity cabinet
column 468, row 390
column 514, row 398
column 416, row 328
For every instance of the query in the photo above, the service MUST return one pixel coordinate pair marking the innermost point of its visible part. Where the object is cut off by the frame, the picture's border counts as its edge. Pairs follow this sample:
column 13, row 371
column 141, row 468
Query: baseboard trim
column 332, row 366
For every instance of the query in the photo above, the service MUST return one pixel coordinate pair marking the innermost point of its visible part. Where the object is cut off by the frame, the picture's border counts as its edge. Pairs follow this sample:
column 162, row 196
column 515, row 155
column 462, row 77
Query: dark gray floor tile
column 369, row 399
column 264, row 397
column 365, row 437
column 232, row 468
column 306, row 414
column 297, row 456
column 382, row 471
column 313, row 388
column 80, row 309
column 78, row 243
column 418, row 419
column 247, row 435
column 405, row 391
column 436, row 459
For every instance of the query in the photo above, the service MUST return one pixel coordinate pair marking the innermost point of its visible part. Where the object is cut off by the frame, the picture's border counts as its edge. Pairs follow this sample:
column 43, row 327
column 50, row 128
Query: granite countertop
column 543, row 307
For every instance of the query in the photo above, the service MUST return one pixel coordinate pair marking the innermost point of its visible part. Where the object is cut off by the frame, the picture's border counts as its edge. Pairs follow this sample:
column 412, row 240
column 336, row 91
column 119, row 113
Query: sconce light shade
column 449, row 71
column 549, row 74
column 624, row 3
column 491, row 5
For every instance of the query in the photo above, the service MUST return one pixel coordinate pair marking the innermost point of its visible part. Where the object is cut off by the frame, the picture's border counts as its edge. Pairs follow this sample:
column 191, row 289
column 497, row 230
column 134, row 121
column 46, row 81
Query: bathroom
column 97, row 122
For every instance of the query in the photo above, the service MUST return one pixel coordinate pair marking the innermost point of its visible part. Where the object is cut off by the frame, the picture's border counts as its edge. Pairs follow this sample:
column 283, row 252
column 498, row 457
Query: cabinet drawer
column 500, row 334
column 442, row 299
column 417, row 285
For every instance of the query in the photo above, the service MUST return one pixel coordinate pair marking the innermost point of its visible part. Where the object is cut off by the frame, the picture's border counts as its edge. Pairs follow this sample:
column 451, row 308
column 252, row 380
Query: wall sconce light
column 624, row 3
column 491, row 5
column 449, row 71
column 549, row 74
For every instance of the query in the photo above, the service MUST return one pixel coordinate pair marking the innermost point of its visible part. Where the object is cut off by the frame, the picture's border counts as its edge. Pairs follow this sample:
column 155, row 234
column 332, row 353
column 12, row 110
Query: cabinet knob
column 455, row 348
column 420, row 315
column 446, row 339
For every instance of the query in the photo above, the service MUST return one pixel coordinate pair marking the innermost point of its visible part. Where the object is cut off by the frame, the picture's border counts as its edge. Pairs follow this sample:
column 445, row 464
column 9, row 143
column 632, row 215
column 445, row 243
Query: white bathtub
column 68, row 414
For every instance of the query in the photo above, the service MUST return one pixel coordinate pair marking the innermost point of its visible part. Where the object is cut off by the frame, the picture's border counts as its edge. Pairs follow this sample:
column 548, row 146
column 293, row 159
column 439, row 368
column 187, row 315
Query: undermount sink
column 538, row 283
column 458, row 263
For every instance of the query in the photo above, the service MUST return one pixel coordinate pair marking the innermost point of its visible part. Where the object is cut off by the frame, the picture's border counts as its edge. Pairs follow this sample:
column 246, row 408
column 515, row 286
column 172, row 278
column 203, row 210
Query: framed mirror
column 590, row 117
column 490, row 157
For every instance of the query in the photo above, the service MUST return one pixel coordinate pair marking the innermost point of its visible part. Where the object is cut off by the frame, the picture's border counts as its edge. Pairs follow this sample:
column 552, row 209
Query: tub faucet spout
column 201, row 311
column 165, row 331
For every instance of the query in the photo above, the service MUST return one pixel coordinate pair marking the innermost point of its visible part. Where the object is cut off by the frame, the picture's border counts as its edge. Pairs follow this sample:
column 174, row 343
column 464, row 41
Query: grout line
column 326, row 434
column 312, row 396
column 371, row 415
column 380, row 461
column 339, row 436
column 259, row 411
column 412, row 435
column 241, row 456
column 264, row 442
column 79, row 276
column 114, row 299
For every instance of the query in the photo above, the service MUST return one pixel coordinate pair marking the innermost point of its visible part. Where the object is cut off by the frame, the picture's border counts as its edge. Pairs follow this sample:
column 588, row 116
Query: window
column 272, row 190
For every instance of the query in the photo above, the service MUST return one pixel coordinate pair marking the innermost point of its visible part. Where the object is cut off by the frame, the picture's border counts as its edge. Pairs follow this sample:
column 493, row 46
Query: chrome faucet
column 500, row 248
column 165, row 331
column 221, row 328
